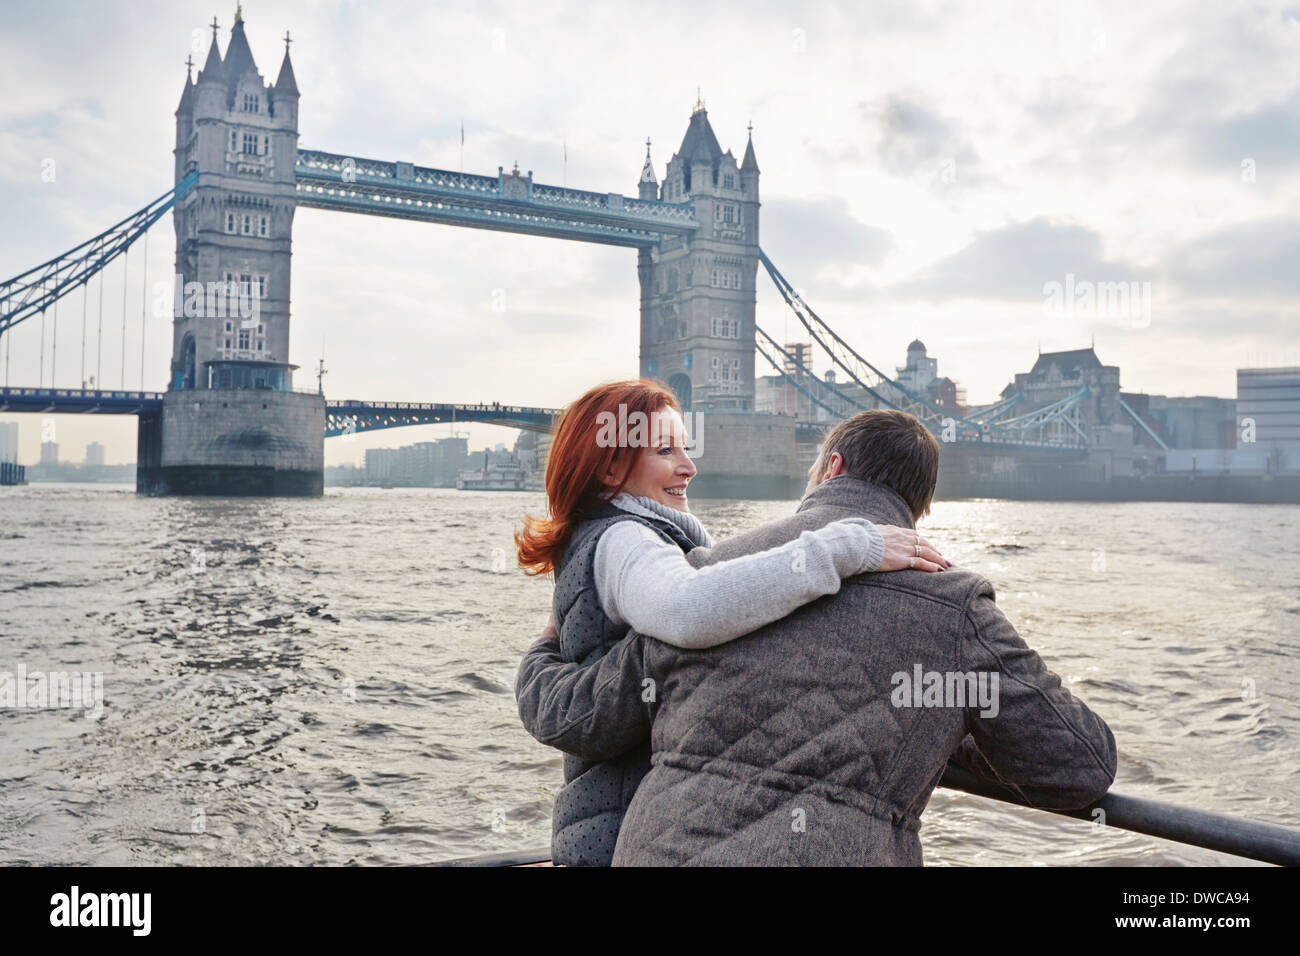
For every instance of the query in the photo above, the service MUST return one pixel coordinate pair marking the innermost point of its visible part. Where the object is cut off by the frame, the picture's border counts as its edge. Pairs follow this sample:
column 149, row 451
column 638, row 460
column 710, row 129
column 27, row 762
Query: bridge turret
column 231, row 420
column 749, row 168
column 184, row 118
column 697, row 294
column 284, row 95
column 648, row 187
column 212, row 79
column 233, row 229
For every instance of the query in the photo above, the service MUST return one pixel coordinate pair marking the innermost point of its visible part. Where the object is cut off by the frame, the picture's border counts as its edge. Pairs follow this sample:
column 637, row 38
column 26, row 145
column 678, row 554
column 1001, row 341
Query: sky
column 933, row 170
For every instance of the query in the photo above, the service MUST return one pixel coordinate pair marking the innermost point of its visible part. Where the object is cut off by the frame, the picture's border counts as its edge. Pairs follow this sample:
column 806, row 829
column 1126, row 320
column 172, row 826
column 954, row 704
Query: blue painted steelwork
column 507, row 202
column 1145, row 427
column 350, row 417
column 991, row 413
column 37, row 289
column 78, row 401
column 849, row 403
column 890, row 394
column 341, row 417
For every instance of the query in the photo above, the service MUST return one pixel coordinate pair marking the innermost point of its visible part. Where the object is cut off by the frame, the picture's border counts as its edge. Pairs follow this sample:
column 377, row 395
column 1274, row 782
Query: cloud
column 1249, row 260
column 1013, row 262
column 807, row 234
column 912, row 137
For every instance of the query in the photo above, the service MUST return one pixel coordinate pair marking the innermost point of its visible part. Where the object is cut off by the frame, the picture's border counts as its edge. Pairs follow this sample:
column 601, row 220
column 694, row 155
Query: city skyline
column 927, row 196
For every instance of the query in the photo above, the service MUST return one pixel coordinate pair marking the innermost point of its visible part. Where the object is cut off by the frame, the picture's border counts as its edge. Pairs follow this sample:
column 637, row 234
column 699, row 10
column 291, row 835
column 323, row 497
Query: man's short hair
column 889, row 448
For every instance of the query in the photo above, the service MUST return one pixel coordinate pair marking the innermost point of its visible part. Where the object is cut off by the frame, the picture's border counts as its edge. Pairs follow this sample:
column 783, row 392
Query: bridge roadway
column 350, row 416
column 354, row 416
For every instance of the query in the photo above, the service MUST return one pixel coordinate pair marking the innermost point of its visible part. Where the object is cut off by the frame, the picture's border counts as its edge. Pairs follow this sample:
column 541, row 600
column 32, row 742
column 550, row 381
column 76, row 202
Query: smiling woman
column 617, row 538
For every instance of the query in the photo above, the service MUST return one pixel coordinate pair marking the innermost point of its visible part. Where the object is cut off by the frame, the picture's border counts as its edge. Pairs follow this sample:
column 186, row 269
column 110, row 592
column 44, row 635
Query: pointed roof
column 285, row 82
column 1068, row 363
column 648, row 170
column 699, row 145
column 187, row 95
column 213, row 68
column 239, row 58
column 749, row 164
column 916, row 346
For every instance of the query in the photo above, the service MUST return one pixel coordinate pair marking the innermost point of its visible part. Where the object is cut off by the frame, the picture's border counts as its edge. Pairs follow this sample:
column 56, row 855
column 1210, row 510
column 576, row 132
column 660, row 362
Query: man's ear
column 835, row 466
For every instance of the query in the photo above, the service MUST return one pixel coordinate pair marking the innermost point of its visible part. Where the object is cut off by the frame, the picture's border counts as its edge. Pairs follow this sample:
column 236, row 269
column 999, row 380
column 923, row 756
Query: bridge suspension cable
column 799, row 366
column 99, row 337
column 126, row 261
column 985, row 425
column 144, row 307
column 807, row 394
column 865, row 375
column 33, row 291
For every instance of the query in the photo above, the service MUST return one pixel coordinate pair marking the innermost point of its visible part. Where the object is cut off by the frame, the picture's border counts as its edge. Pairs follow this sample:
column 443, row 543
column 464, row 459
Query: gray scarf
column 649, row 508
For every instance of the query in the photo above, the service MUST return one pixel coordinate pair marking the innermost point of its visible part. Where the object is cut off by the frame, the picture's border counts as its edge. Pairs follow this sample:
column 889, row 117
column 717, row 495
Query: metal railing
column 1266, row 842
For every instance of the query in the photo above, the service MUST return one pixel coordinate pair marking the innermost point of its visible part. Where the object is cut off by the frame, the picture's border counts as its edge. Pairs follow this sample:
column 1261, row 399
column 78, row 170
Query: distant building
column 801, row 394
column 344, row 474
column 1258, row 433
column 1268, row 416
column 94, row 454
column 9, row 442
column 1059, row 375
column 1196, row 421
column 49, row 454
column 919, row 371
column 429, row 464
column 920, row 376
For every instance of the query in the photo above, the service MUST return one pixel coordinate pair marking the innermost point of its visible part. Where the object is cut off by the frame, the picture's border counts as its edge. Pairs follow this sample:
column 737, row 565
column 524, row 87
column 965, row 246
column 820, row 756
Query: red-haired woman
column 616, row 538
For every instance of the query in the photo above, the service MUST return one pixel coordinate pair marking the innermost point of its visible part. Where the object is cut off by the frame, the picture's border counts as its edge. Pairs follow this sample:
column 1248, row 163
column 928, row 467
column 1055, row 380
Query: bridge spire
column 750, row 163
column 187, row 95
column 285, row 83
column 648, row 170
column 213, row 68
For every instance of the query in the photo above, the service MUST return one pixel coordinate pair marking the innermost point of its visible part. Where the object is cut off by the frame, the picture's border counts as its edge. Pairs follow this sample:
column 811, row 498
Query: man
column 818, row 739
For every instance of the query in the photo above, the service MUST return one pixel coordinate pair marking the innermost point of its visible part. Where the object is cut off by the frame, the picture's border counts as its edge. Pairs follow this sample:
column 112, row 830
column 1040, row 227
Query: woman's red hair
column 577, row 463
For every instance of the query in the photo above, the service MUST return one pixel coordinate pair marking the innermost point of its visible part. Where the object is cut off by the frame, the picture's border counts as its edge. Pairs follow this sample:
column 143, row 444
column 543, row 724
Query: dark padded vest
column 589, row 808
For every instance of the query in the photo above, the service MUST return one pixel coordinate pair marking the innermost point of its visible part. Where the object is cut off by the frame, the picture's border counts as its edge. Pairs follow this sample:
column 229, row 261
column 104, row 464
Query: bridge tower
column 231, row 422
column 698, row 293
column 697, row 319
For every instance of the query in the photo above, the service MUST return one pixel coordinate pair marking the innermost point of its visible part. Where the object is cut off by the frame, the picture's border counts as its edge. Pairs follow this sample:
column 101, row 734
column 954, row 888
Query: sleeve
column 1032, row 737
column 646, row 582
column 594, row 710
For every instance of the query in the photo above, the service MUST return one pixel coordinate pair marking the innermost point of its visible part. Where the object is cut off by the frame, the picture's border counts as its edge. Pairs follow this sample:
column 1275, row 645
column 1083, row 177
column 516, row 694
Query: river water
column 330, row 681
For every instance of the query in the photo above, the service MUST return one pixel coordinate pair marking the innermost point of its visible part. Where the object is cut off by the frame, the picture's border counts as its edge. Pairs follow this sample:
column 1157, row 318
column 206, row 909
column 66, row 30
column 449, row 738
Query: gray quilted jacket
column 589, row 808
column 804, row 743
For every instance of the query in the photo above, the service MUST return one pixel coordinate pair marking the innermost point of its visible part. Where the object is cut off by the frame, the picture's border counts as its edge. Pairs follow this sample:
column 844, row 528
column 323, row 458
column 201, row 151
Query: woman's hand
column 904, row 548
column 549, row 630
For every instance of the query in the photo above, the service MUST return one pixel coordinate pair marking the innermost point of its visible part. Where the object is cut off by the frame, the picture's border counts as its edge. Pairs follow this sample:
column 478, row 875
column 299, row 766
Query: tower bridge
column 231, row 420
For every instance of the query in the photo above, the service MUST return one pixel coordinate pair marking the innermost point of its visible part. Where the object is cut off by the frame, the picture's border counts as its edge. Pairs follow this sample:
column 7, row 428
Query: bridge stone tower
column 231, row 422
column 697, row 318
column 698, row 293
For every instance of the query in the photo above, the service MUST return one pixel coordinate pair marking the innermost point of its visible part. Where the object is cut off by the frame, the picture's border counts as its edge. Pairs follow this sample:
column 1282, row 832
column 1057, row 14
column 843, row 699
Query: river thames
column 330, row 681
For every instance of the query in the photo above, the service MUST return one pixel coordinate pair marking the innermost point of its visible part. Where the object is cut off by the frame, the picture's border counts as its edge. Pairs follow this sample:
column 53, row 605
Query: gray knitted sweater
column 645, row 581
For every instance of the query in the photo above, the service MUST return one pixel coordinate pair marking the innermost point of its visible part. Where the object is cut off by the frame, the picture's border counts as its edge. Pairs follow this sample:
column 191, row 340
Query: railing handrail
column 1266, row 842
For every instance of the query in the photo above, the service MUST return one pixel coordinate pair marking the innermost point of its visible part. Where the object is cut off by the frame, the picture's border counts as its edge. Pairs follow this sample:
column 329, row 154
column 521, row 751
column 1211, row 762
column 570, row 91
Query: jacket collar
column 882, row 505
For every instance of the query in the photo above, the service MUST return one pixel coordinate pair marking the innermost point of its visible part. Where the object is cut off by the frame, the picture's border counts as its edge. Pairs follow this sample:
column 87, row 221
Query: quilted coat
column 589, row 808
column 803, row 743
